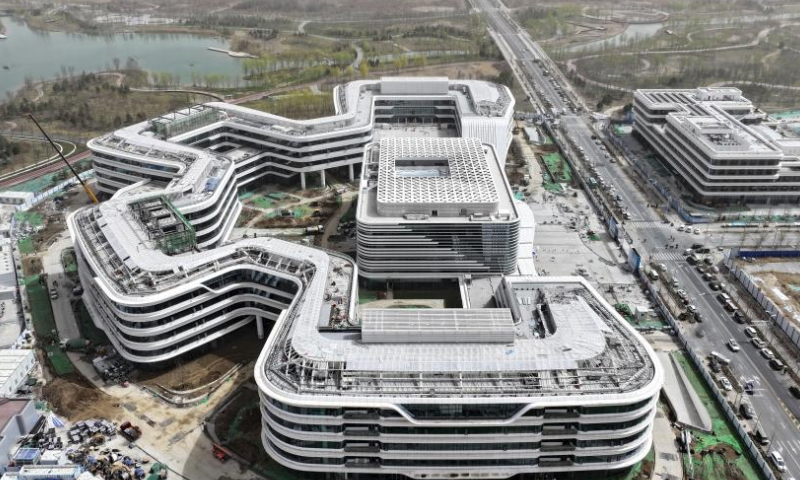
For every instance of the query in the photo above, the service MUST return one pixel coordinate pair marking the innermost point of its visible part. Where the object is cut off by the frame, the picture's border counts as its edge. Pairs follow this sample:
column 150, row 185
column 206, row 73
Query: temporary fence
column 774, row 313
column 697, row 360
column 647, row 172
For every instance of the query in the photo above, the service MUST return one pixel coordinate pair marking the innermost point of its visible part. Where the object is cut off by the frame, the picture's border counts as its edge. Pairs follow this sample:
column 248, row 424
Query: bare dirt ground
column 76, row 399
column 241, row 346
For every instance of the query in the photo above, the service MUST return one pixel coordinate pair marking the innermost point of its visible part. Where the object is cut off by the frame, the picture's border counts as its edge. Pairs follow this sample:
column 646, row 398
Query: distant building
column 16, row 199
column 11, row 323
column 46, row 472
column 720, row 145
column 15, row 365
column 17, row 419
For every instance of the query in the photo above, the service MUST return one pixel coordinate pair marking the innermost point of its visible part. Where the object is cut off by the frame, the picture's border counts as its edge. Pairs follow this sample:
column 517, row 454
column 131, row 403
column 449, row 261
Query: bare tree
column 116, row 63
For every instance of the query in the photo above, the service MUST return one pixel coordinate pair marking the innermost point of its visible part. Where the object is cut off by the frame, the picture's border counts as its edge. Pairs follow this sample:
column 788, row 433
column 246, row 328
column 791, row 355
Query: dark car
column 696, row 246
column 776, row 364
column 795, row 391
column 701, row 268
column 714, row 286
column 747, row 410
column 708, row 261
column 738, row 317
column 692, row 260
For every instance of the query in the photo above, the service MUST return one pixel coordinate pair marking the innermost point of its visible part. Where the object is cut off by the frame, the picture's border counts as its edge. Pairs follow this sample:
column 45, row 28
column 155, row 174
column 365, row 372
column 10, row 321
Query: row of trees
column 8, row 148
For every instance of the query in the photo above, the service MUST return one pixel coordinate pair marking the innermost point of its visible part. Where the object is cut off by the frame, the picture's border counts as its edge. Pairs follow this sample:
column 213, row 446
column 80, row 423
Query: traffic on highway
column 655, row 235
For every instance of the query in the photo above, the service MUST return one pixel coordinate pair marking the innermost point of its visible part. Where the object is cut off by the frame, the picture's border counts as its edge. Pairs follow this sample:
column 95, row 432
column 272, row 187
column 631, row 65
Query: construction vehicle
column 130, row 431
column 221, row 454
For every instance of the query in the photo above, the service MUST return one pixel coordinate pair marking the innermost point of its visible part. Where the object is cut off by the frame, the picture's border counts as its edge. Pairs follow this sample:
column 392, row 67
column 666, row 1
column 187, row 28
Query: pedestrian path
column 668, row 465
column 663, row 255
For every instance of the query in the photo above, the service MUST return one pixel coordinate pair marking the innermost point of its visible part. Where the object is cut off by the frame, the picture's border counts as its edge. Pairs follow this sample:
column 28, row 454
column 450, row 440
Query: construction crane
column 86, row 188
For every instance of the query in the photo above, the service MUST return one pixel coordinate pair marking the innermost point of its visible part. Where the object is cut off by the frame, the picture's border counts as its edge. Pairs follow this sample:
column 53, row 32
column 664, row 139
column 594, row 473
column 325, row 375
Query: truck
column 130, row 431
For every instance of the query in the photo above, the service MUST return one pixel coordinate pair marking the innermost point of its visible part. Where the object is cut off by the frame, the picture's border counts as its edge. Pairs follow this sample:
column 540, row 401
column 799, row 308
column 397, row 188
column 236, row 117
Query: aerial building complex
column 529, row 375
column 720, row 145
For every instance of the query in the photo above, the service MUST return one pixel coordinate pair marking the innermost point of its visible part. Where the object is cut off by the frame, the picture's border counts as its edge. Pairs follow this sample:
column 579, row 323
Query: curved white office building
column 261, row 144
column 531, row 375
column 551, row 381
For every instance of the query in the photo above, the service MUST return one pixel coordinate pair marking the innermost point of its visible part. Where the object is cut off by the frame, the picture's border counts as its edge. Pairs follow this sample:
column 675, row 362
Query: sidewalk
column 62, row 308
column 668, row 464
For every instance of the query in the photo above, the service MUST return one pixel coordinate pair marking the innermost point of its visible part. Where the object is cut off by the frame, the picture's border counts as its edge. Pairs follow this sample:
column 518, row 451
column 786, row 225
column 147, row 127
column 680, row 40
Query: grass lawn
column 25, row 245
column 88, row 329
column 44, row 325
column 713, row 466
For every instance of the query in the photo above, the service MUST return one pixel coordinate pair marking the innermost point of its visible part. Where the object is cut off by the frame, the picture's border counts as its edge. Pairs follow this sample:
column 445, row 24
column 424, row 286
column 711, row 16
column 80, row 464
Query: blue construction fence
column 767, row 253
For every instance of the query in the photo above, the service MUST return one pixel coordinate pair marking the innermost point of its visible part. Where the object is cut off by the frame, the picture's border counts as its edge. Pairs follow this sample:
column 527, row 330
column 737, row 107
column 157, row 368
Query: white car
column 759, row 343
column 726, row 384
column 697, row 231
column 733, row 345
column 680, row 228
column 767, row 353
column 750, row 332
column 777, row 460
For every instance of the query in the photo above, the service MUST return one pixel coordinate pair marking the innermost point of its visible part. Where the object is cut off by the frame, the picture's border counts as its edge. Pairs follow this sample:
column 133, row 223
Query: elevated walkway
column 684, row 401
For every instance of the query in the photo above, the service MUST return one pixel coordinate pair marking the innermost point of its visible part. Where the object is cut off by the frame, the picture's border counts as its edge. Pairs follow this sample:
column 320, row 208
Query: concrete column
column 260, row 326
column 322, row 178
column 303, row 180
column 350, row 171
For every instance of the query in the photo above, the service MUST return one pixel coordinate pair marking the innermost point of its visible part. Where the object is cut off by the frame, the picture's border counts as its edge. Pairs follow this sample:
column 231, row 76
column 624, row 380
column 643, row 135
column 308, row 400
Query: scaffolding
column 165, row 226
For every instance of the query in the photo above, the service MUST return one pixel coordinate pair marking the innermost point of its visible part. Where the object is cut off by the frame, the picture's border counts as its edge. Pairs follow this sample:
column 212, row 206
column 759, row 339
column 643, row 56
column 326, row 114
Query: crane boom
column 86, row 188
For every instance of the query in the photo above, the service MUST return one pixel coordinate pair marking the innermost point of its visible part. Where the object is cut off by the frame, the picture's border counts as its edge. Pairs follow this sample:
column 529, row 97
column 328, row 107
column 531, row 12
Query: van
column 731, row 307
column 761, row 437
column 720, row 358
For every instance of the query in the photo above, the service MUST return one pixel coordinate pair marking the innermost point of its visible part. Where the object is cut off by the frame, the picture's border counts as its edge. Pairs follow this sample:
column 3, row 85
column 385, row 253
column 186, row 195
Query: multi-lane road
column 650, row 235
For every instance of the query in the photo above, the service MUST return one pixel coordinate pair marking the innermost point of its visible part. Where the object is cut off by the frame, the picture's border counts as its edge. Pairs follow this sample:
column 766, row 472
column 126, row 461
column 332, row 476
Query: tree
column 349, row 72
column 116, row 63
column 363, row 69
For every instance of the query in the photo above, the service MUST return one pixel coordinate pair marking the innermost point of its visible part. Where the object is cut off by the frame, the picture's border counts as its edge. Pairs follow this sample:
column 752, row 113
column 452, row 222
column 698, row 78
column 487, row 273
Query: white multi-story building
column 530, row 375
column 435, row 207
column 553, row 380
column 720, row 145
column 265, row 145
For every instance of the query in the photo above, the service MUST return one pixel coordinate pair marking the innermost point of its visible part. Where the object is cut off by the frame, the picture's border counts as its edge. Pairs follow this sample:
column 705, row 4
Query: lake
column 42, row 54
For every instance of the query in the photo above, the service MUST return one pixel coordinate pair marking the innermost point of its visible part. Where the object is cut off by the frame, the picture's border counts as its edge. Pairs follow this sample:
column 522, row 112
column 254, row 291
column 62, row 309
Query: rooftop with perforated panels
column 434, row 179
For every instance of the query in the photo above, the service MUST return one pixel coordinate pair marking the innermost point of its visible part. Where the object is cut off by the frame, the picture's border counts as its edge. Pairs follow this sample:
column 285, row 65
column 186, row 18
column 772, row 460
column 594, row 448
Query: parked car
column 738, row 316
column 750, row 331
column 747, row 410
column 726, row 384
column 733, row 345
column 697, row 231
column 795, row 391
column 767, row 353
column 53, row 294
column 777, row 460
column 759, row 344
column 708, row 277
column 714, row 286
column 776, row 364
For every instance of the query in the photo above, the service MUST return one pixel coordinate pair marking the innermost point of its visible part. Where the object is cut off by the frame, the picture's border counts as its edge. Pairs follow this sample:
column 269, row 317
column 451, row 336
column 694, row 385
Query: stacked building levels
column 265, row 145
column 530, row 375
column 435, row 207
column 720, row 145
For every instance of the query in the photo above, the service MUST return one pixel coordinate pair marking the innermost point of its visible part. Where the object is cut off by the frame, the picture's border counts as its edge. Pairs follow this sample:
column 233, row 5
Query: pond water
column 41, row 55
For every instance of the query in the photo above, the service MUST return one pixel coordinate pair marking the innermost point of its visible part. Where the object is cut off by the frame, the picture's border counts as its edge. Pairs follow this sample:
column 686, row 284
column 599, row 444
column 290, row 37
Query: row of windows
column 367, row 429
column 456, row 447
column 476, row 462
